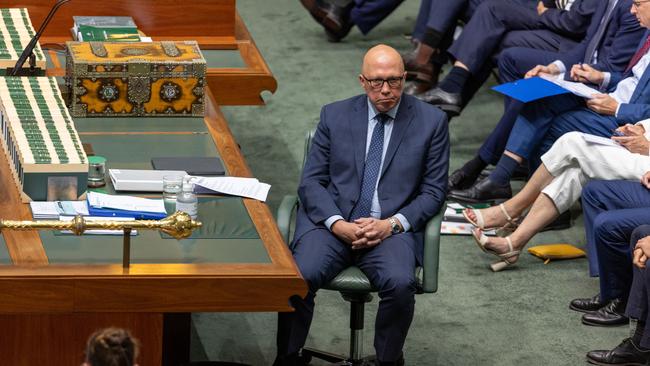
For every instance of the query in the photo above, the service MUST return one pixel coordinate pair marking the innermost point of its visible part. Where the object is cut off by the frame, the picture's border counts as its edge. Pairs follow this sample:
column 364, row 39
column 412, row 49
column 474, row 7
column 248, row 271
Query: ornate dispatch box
column 135, row 79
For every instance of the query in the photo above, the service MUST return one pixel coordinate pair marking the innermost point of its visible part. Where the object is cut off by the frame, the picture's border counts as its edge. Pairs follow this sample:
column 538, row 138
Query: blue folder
column 527, row 90
column 112, row 212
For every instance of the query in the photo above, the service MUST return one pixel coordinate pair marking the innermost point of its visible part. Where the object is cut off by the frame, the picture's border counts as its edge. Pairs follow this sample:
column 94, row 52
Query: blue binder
column 527, row 90
column 111, row 212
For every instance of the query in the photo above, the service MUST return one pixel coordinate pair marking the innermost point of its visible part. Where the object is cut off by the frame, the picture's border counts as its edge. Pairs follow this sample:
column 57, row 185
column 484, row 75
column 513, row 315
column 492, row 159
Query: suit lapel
column 401, row 123
column 359, row 127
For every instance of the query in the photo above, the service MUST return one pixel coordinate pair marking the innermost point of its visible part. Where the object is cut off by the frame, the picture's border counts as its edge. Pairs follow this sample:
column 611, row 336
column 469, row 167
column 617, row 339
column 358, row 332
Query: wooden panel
column 208, row 18
column 46, row 339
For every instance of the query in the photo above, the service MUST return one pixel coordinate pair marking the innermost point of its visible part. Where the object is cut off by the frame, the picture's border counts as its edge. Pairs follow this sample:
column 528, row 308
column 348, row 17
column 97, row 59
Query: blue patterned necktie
column 371, row 169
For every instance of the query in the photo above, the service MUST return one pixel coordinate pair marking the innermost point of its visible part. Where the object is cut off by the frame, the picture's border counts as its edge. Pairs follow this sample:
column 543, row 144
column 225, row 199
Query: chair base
column 337, row 359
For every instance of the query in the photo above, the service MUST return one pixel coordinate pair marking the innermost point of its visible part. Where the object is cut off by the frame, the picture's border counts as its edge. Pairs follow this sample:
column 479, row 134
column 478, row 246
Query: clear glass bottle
column 186, row 200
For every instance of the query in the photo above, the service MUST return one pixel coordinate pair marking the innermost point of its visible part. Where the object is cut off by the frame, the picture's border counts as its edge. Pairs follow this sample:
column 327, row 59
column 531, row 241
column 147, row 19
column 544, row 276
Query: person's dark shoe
column 586, row 305
column 560, row 223
column 482, row 191
column 399, row 362
column 459, row 180
column 610, row 315
column 451, row 103
column 335, row 19
column 626, row 353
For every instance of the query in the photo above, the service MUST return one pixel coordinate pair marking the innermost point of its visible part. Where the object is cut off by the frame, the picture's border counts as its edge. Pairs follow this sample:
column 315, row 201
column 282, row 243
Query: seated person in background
column 634, row 350
column 338, row 20
column 111, row 347
column 500, row 24
column 375, row 174
column 609, row 45
column 556, row 185
column 542, row 122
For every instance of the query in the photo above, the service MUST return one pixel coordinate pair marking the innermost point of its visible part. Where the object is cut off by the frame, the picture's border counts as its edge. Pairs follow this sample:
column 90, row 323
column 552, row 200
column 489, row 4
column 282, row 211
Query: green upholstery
column 352, row 279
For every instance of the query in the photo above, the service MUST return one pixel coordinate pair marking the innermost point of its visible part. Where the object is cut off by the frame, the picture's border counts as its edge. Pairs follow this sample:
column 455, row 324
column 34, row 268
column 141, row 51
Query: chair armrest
column 286, row 210
column 432, row 252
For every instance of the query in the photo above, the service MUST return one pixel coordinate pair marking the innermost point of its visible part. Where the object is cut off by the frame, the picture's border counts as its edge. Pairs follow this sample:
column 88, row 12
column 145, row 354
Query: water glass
column 172, row 185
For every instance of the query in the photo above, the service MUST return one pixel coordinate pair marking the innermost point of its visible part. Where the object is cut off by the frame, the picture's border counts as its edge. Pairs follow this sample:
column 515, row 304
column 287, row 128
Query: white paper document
column 235, row 186
column 54, row 209
column 100, row 231
column 128, row 203
column 578, row 89
column 598, row 140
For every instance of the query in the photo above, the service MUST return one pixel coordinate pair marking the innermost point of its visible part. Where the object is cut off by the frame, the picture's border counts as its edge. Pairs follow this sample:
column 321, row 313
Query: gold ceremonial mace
column 179, row 225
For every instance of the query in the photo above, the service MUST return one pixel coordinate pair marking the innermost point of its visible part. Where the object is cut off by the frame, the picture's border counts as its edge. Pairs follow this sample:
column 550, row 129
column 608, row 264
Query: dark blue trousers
column 491, row 23
column 367, row 14
column 612, row 210
column 542, row 122
column 390, row 267
column 639, row 298
column 513, row 64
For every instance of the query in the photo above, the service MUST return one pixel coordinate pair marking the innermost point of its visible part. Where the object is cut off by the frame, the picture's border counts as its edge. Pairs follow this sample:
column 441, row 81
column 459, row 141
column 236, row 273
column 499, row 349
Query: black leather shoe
column 451, row 103
column 399, row 362
column 610, row 315
column 459, row 180
column 586, row 305
column 626, row 353
column 482, row 191
column 417, row 86
column 335, row 19
column 560, row 223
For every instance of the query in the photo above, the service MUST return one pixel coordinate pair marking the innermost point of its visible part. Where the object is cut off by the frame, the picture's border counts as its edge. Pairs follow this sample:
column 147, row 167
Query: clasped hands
column 583, row 73
column 641, row 252
column 363, row 233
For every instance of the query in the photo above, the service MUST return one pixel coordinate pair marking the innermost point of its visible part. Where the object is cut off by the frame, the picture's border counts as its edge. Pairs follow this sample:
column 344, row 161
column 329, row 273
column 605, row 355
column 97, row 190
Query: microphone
column 28, row 52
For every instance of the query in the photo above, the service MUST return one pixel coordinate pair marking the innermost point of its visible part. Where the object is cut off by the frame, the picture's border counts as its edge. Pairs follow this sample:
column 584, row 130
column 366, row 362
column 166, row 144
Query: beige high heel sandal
column 510, row 224
column 505, row 258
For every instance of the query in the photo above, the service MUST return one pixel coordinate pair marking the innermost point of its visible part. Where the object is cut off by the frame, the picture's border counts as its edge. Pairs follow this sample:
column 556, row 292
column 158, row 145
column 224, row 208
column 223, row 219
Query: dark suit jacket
column 572, row 23
column 617, row 44
column 639, row 106
column 413, row 180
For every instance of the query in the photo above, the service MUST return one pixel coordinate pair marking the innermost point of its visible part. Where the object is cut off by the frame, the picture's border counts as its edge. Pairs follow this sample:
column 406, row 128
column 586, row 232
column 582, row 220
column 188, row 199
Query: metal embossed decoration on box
column 135, row 79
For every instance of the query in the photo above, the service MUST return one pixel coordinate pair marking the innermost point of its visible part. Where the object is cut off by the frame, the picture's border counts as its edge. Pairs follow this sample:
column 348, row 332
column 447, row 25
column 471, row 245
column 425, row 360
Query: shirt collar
column 373, row 112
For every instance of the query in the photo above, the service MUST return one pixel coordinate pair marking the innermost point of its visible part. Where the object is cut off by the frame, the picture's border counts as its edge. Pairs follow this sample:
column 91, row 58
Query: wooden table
column 57, row 289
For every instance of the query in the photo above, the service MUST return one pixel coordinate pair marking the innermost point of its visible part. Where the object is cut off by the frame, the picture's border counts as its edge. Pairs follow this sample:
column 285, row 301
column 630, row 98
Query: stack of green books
column 105, row 29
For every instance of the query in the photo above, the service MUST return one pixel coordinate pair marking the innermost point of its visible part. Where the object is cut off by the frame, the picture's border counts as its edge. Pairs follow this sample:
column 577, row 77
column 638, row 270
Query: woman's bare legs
column 493, row 217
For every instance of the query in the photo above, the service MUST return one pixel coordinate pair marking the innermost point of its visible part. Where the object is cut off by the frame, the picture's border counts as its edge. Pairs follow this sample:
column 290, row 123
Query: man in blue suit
column 611, row 40
column 375, row 174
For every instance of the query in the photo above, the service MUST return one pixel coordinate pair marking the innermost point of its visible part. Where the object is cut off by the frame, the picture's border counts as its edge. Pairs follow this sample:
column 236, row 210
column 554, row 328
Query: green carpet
column 516, row 317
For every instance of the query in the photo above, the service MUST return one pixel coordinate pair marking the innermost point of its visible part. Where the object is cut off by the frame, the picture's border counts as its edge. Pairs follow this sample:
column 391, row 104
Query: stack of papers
column 54, row 209
column 234, row 186
column 106, row 205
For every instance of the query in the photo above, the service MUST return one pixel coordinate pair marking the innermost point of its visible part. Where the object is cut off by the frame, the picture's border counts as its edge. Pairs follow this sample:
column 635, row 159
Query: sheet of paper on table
column 54, row 209
column 126, row 203
column 235, row 186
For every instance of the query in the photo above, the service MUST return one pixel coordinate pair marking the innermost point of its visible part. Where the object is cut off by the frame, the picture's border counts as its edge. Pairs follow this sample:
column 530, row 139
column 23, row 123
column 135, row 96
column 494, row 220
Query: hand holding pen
column 584, row 73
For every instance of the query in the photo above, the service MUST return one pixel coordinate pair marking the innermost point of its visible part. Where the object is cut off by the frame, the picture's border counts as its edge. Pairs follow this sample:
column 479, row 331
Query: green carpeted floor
column 517, row 317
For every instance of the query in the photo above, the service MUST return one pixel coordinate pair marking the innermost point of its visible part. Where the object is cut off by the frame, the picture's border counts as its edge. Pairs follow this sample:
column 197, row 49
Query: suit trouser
column 542, row 122
column 612, row 210
column 367, row 14
column 390, row 267
column 490, row 23
column 513, row 64
column 572, row 162
column 637, row 303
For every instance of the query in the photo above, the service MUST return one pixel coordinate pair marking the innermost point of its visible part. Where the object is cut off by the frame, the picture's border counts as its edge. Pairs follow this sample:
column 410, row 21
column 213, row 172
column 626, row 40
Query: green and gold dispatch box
column 135, row 79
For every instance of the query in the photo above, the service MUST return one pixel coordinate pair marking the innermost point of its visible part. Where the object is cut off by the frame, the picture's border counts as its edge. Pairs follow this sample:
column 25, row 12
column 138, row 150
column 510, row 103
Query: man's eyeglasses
column 639, row 2
column 392, row 82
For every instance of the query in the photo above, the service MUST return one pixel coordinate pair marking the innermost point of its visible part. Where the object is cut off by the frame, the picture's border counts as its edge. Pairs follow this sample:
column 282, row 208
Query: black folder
column 192, row 165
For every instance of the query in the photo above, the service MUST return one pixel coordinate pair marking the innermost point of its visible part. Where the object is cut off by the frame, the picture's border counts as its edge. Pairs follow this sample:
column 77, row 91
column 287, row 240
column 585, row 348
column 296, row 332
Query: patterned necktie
column 595, row 40
column 371, row 169
column 639, row 54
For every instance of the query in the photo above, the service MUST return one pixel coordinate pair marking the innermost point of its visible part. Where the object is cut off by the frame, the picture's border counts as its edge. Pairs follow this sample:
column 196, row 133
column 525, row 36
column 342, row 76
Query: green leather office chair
column 353, row 284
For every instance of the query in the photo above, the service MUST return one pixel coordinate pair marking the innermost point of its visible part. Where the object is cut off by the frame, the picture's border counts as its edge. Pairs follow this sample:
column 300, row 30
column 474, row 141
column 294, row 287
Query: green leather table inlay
column 4, row 254
column 151, row 124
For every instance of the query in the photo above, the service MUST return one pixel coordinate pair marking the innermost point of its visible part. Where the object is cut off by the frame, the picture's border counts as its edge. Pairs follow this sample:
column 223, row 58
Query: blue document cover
column 527, row 90
column 111, row 212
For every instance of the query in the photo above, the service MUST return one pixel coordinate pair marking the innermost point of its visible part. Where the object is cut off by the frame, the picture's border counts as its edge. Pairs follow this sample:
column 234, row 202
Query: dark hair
column 111, row 347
